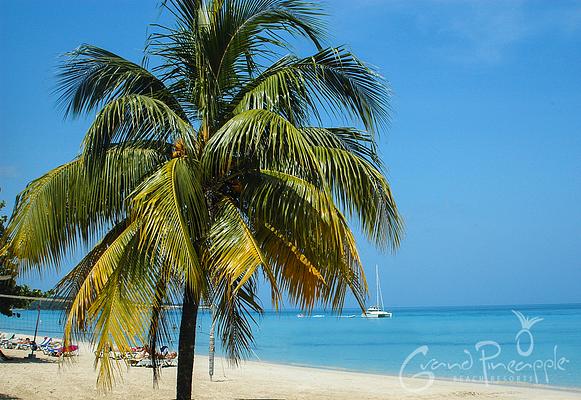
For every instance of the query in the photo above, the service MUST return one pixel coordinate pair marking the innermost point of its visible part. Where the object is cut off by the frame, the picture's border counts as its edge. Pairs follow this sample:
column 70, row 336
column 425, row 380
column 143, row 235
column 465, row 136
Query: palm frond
column 261, row 137
column 69, row 286
column 234, row 253
column 215, row 46
column 122, row 292
column 68, row 205
column 159, row 318
column 308, row 274
column 364, row 192
column 239, row 28
column 172, row 206
column 306, row 239
column 132, row 119
column 332, row 79
column 296, row 275
column 236, row 312
column 280, row 88
column 120, row 314
column 91, row 76
column 360, row 143
column 91, row 275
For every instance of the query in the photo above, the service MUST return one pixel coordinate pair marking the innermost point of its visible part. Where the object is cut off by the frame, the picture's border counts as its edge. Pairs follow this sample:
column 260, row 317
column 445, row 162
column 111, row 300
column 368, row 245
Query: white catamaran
column 376, row 311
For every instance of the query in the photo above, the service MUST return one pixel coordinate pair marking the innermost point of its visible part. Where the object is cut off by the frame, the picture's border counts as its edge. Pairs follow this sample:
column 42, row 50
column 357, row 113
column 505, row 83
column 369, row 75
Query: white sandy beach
column 46, row 379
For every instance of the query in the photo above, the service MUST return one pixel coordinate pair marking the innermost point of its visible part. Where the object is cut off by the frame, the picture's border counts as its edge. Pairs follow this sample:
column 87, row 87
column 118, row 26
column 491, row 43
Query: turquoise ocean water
column 476, row 343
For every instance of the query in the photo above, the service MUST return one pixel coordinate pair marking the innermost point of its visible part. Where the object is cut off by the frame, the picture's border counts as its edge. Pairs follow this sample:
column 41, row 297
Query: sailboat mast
column 377, row 285
column 381, row 298
column 378, row 288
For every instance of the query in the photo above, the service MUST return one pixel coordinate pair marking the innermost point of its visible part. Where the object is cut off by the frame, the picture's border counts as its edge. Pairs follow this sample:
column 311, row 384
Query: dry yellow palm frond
column 235, row 254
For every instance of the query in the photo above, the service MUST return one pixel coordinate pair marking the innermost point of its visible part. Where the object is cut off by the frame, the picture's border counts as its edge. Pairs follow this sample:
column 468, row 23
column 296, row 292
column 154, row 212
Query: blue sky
column 483, row 153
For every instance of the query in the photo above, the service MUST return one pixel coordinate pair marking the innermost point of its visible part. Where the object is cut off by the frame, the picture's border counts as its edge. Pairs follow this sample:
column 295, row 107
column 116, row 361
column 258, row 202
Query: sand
column 46, row 379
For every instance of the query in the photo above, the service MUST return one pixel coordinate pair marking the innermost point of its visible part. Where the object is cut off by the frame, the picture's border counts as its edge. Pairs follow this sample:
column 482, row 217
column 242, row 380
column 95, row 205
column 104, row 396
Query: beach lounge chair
column 148, row 363
column 17, row 343
column 137, row 356
column 45, row 343
column 169, row 359
column 164, row 358
column 72, row 350
column 21, row 343
column 52, row 346
column 23, row 346
column 6, row 341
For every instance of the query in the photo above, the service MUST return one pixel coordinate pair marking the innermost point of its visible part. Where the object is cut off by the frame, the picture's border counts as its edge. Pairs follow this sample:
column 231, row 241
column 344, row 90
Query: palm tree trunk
column 186, row 345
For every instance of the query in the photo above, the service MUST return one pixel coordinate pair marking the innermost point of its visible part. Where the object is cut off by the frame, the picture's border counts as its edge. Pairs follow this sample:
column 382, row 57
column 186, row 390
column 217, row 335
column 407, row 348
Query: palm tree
column 208, row 173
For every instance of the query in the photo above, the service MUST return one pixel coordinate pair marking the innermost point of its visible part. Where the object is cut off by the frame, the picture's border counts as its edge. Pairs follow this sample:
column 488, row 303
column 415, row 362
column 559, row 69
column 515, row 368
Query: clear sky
column 484, row 151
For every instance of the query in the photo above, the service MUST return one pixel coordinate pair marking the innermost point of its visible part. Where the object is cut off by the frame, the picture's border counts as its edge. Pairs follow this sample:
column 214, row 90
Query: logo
column 526, row 325
column 485, row 362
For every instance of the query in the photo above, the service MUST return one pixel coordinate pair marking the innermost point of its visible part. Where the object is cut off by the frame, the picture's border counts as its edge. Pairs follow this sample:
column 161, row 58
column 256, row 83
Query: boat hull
column 377, row 314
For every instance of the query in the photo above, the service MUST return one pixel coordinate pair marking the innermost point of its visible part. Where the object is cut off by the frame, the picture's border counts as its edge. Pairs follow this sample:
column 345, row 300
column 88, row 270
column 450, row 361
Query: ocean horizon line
column 430, row 307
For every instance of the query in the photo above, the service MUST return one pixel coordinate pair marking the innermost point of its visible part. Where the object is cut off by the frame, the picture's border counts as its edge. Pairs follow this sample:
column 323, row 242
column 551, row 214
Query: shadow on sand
column 8, row 397
column 24, row 359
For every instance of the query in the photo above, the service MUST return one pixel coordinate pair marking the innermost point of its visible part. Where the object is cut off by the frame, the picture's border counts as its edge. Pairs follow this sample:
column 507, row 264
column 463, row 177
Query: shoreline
column 251, row 380
column 573, row 389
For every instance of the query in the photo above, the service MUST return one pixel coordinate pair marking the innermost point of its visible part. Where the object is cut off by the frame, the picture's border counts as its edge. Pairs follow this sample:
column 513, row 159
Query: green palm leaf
column 67, row 204
column 259, row 136
column 172, row 206
column 362, row 190
column 92, row 76
column 134, row 119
